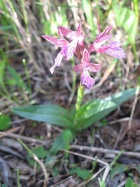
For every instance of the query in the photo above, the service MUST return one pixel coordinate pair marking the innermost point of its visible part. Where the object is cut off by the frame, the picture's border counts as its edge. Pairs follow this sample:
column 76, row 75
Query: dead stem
column 101, row 150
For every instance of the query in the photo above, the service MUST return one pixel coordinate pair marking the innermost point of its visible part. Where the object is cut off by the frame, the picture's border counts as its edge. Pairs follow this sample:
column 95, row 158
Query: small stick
column 134, row 106
column 6, row 133
column 89, row 157
column 27, row 139
column 106, row 165
column 101, row 150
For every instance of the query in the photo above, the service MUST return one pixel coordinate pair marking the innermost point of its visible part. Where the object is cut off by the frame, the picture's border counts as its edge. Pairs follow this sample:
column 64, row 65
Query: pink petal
column 84, row 62
column 86, row 57
column 102, row 49
column 58, row 60
column 114, row 44
column 105, row 32
column 115, row 50
column 55, row 41
column 69, row 50
column 86, row 65
column 100, row 39
column 79, row 68
column 93, row 67
column 103, row 39
column 77, row 35
column 64, row 31
column 87, row 81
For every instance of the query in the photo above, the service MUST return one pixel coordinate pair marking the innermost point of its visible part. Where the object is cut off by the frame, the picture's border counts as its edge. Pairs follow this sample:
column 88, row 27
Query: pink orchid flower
column 84, row 68
column 68, row 48
column 112, row 49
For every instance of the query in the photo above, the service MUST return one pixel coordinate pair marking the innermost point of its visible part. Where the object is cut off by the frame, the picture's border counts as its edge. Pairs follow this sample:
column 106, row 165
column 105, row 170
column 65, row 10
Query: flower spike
column 72, row 42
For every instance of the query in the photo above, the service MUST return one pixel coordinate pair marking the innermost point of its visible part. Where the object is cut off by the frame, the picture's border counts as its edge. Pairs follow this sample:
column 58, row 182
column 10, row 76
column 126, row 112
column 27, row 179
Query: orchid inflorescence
column 72, row 42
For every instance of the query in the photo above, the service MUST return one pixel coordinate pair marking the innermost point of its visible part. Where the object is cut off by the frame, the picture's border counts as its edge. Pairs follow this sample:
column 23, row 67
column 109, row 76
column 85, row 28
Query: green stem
column 73, row 83
column 80, row 95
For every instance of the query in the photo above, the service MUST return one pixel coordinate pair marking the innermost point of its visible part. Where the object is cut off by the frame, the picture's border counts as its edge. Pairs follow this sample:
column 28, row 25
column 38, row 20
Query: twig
column 106, row 165
column 134, row 105
column 101, row 150
column 85, row 156
column 28, row 139
column 43, row 169
column 119, row 120
column 6, row 133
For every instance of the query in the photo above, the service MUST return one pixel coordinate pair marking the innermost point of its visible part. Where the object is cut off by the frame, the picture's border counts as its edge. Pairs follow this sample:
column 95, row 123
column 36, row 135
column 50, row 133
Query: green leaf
column 102, row 183
column 40, row 152
column 126, row 19
column 94, row 106
column 50, row 113
column 3, row 62
column 98, row 112
column 67, row 138
column 58, row 144
column 117, row 169
column 62, row 141
column 88, row 11
column 82, row 173
column 51, row 160
column 129, row 182
column 17, row 78
column 4, row 122
column 5, row 28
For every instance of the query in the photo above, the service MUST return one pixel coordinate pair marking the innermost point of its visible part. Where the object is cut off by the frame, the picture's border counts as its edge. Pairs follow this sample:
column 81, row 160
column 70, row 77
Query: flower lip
column 86, row 80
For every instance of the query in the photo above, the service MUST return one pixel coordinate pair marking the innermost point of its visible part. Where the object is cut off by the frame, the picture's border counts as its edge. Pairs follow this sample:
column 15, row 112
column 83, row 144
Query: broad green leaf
column 50, row 113
column 4, row 122
column 108, row 106
column 94, row 106
column 82, row 173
